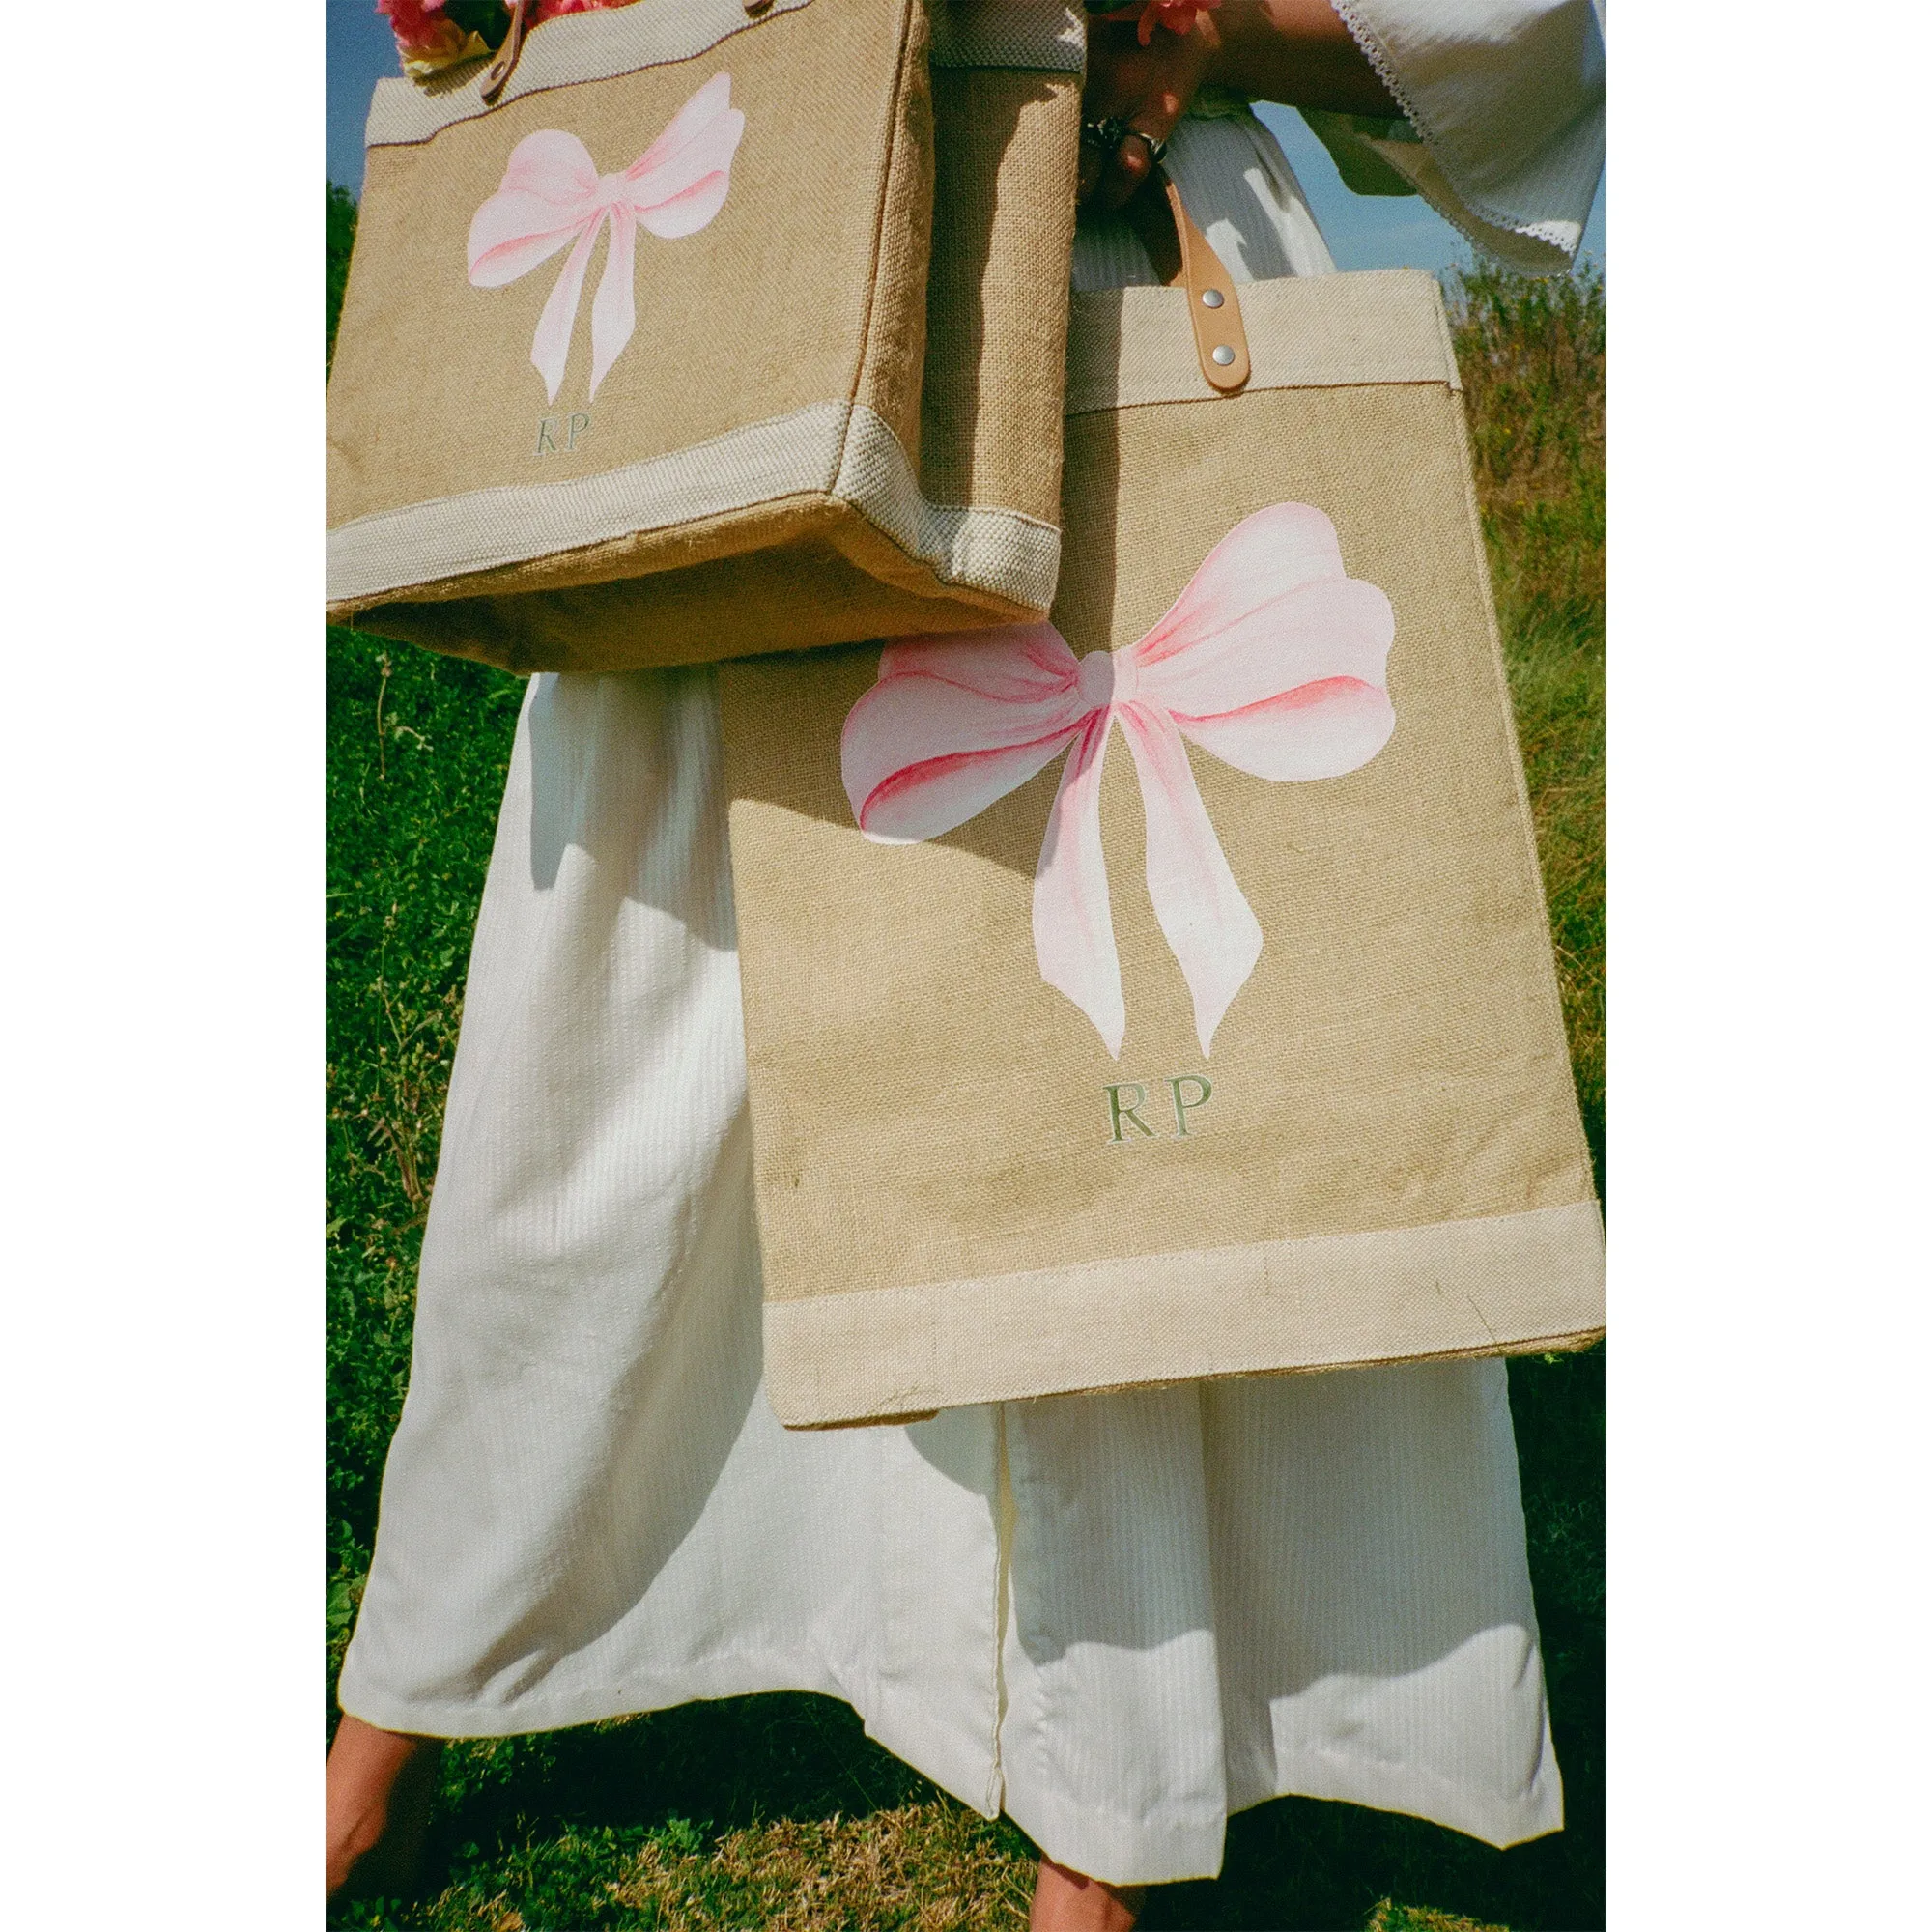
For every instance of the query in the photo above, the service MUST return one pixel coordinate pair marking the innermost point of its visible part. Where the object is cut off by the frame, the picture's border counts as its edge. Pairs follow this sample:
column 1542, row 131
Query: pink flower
column 416, row 23
column 1176, row 16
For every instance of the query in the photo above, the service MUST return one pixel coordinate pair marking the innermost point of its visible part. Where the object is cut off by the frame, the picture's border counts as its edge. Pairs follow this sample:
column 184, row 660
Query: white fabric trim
column 1508, row 1282
column 1136, row 344
column 844, row 451
column 573, row 47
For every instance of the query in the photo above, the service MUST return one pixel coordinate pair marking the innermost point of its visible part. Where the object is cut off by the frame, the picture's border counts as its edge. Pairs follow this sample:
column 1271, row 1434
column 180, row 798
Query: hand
column 1294, row 51
column 1148, row 87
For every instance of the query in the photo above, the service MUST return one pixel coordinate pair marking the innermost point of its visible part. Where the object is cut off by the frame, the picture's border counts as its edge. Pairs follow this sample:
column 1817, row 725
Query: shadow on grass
column 719, row 1766
column 536, row 1829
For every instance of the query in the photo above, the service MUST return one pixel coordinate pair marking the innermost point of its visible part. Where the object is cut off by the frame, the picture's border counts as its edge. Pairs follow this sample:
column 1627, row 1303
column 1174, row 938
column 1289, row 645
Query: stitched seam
column 1005, row 1515
column 1513, row 752
column 895, row 499
column 895, row 122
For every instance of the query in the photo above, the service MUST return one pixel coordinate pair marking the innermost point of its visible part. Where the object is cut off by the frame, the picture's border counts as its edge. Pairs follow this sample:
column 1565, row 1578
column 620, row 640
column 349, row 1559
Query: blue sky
column 1364, row 232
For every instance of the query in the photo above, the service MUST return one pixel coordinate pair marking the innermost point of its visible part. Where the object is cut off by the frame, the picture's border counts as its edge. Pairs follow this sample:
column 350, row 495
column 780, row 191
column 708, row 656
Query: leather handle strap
column 1185, row 258
column 1220, row 339
column 507, row 56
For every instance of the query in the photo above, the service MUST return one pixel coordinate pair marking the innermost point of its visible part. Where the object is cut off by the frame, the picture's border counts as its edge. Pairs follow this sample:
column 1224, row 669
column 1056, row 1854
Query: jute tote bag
column 1165, row 991
column 633, row 363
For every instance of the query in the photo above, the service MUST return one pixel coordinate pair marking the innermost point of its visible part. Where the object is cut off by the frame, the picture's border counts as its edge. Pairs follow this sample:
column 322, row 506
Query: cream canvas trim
column 844, row 451
column 1041, row 37
column 1505, row 1284
column 573, row 47
column 1136, row 344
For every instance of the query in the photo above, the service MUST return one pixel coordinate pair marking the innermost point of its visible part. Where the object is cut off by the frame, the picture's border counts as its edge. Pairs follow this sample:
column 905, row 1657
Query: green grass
column 776, row 1811
column 1532, row 356
column 339, row 234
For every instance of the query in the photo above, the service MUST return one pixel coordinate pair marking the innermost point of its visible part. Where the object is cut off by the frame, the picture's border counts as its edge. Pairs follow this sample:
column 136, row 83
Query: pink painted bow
column 1273, row 659
column 553, row 196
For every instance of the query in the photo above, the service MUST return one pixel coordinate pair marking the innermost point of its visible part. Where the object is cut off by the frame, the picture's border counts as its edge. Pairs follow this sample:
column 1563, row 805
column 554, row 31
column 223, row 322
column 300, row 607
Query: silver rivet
column 1223, row 355
column 1212, row 299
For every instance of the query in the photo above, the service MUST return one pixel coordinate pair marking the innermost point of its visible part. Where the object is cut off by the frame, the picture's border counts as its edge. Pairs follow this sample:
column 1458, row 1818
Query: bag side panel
column 890, row 369
column 998, row 296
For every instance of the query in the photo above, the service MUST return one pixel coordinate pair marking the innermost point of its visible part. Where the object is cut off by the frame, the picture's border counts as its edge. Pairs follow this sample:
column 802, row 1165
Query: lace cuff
column 1504, row 106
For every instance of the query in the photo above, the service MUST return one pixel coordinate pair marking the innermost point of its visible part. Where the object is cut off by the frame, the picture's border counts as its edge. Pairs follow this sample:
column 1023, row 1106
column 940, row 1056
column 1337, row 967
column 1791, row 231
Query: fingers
column 1117, row 155
column 1132, row 161
column 1094, row 159
column 1134, row 97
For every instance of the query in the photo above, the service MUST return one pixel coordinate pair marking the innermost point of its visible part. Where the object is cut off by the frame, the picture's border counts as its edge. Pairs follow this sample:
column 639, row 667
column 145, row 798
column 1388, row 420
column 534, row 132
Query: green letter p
column 1182, row 1107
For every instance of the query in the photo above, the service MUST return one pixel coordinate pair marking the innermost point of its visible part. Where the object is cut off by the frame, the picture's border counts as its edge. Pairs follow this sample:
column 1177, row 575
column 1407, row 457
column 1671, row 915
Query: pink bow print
column 1273, row 659
column 553, row 195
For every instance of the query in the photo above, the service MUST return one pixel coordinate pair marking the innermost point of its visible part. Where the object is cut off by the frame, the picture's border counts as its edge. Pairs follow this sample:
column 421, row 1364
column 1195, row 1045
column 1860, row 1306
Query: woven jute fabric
column 1388, row 1163
column 1008, row 146
column 799, row 445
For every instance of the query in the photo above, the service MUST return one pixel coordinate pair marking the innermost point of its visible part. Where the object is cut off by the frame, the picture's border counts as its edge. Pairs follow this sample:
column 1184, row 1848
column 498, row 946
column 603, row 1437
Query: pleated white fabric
column 1243, row 196
column 1120, row 1617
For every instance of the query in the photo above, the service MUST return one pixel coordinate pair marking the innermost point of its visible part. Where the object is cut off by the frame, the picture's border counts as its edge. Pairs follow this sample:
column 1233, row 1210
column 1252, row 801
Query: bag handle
column 1185, row 258
column 507, row 56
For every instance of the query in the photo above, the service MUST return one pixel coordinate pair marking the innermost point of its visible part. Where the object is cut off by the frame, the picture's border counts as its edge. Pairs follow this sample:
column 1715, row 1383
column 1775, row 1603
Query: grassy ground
column 776, row 1811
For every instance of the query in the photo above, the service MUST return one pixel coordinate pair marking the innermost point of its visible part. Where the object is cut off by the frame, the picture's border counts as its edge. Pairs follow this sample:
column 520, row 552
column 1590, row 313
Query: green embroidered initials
column 574, row 425
column 1120, row 1113
column 1180, row 1106
column 1123, row 1113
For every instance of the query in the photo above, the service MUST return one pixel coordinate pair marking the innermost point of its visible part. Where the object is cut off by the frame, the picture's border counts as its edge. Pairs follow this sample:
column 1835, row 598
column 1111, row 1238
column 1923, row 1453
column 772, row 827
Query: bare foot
column 1068, row 1901
column 380, row 1785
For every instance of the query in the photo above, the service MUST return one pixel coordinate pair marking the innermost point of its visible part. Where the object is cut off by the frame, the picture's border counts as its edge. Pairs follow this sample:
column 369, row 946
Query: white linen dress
column 1118, row 1617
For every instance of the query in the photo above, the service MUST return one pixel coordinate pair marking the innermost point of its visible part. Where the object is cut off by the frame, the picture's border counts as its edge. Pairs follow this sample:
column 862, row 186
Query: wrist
column 1297, row 52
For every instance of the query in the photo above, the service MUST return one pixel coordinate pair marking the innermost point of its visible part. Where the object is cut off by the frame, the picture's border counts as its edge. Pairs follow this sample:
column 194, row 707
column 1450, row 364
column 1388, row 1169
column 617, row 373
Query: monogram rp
column 1124, row 1121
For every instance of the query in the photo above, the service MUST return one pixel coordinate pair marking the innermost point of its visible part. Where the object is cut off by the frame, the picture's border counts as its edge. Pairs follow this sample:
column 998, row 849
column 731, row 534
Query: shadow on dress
column 1291, row 1516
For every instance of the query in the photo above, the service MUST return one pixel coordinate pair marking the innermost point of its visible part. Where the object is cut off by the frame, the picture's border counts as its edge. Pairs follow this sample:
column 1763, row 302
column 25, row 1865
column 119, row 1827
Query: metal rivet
column 1223, row 355
column 1211, row 298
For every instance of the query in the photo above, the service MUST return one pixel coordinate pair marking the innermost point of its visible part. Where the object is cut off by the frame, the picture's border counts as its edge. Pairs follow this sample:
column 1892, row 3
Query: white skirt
column 1118, row 1617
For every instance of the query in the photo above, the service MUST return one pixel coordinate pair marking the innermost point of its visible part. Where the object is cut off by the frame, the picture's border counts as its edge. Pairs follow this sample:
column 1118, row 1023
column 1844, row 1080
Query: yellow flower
column 444, row 46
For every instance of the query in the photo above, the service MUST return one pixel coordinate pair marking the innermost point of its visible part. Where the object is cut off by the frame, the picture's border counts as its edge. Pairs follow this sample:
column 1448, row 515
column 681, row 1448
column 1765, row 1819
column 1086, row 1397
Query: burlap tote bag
column 632, row 366
column 1165, row 991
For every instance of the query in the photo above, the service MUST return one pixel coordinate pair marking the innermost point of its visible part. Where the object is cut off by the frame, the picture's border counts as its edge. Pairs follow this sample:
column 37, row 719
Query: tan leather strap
column 1184, row 258
column 507, row 56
